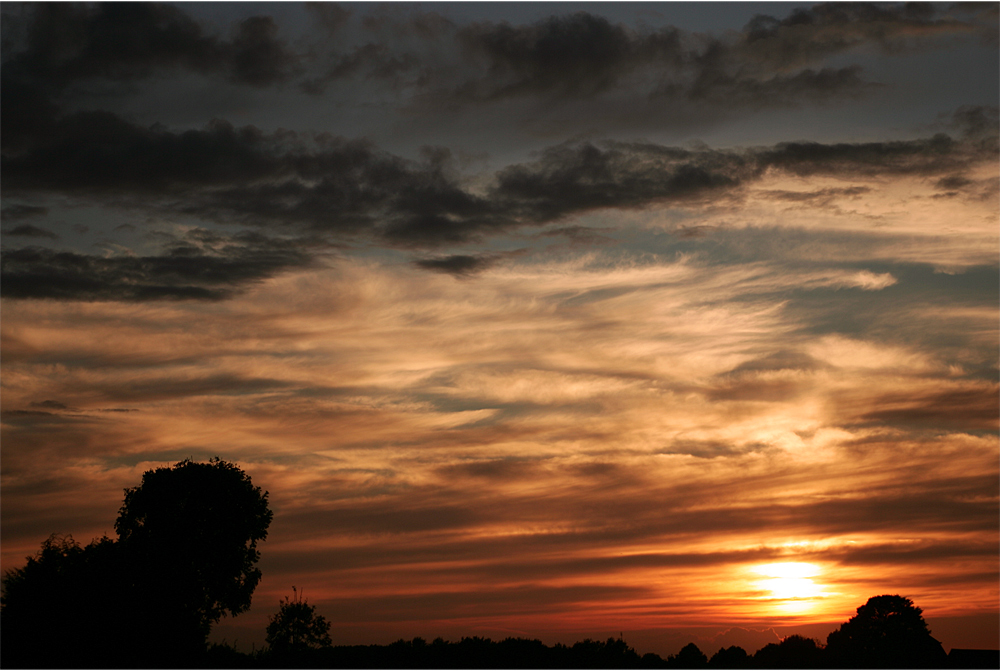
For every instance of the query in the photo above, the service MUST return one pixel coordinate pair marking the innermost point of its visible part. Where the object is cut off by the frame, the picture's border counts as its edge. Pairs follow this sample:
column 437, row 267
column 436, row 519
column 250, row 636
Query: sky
column 555, row 320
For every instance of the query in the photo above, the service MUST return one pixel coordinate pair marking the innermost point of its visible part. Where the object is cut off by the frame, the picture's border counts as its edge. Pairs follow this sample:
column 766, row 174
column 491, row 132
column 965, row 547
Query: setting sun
column 564, row 321
column 791, row 582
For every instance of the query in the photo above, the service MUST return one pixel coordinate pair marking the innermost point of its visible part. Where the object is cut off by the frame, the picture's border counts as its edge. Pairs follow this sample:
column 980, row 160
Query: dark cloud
column 570, row 57
column 826, row 29
column 320, row 185
column 709, row 449
column 579, row 235
column 184, row 272
column 519, row 600
column 459, row 265
column 20, row 212
column 330, row 15
column 334, row 183
column 719, row 88
column 172, row 387
column 373, row 61
column 52, row 405
column 976, row 121
column 920, row 552
column 820, row 196
column 29, row 231
column 973, row 409
column 130, row 40
column 100, row 152
column 257, row 57
column 492, row 469
column 771, row 63
column 574, row 55
column 927, row 156
column 576, row 178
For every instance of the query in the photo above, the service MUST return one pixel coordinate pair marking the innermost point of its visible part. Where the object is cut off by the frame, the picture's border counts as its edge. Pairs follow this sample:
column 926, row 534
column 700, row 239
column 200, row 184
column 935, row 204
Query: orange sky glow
column 724, row 417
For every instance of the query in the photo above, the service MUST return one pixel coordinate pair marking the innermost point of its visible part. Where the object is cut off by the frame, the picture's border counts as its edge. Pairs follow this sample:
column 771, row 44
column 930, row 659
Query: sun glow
column 791, row 583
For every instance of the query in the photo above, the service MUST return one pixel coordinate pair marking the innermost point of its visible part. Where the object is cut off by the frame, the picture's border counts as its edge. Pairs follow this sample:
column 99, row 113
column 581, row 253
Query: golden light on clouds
column 499, row 376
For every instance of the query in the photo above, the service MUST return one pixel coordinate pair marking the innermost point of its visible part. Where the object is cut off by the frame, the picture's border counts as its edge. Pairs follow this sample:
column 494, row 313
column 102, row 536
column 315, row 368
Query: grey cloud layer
column 132, row 40
column 186, row 271
column 328, row 186
column 434, row 65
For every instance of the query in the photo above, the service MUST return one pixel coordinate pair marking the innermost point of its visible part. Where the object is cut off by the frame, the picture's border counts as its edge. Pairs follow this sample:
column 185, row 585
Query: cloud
column 29, row 231
column 832, row 28
column 20, row 212
column 573, row 55
column 53, row 405
column 257, row 56
column 973, row 408
column 185, row 272
column 351, row 188
column 124, row 42
column 459, row 265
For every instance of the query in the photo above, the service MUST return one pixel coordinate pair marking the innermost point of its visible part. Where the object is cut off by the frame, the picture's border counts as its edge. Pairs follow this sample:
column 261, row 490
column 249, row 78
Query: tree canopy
column 195, row 527
column 185, row 556
column 887, row 632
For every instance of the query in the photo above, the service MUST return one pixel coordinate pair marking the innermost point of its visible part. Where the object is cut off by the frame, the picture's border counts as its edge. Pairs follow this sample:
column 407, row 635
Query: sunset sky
column 553, row 320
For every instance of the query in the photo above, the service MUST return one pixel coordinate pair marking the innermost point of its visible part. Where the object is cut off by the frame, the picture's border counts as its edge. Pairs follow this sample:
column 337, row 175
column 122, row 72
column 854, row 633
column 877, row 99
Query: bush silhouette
column 65, row 607
column 297, row 627
column 185, row 556
column 887, row 632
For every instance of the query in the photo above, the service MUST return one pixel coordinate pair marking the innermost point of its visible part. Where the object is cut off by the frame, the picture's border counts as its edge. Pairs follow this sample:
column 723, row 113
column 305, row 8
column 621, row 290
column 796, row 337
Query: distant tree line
column 887, row 632
column 186, row 555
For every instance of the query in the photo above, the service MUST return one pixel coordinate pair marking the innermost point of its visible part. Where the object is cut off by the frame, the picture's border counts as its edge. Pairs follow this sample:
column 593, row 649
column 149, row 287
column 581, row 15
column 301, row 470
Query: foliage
column 196, row 527
column 185, row 556
column 689, row 657
column 794, row 652
column 296, row 626
column 887, row 632
column 733, row 657
column 64, row 604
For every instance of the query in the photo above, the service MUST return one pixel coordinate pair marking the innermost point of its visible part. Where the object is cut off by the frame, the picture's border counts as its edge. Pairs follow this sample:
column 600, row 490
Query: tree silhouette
column 733, row 657
column 296, row 627
column 794, row 652
column 689, row 657
column 63, row 607
column 185, row 556
column 888, row 632
column 190, row 533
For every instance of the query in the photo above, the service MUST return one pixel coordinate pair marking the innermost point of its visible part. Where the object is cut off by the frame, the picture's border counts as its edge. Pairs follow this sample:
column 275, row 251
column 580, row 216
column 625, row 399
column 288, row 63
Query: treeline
column 186, row 555
column 794, row 652
column 887, row 632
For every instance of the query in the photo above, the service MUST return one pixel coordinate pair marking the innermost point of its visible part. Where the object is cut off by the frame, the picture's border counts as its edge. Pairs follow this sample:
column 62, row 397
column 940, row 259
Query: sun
column 791, row 582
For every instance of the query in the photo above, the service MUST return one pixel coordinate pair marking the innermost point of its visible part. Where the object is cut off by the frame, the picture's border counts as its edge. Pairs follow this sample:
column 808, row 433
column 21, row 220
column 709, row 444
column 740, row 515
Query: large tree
column 887, row 632
column 186, row 555
column 191, row 533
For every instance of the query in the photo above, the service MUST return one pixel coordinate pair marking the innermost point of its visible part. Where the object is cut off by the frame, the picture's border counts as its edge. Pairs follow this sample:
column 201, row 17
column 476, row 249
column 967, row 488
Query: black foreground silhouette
column 186, row 555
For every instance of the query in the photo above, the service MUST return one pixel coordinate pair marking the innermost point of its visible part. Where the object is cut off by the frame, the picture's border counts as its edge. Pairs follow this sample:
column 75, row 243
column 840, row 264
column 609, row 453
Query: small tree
column 296, row 626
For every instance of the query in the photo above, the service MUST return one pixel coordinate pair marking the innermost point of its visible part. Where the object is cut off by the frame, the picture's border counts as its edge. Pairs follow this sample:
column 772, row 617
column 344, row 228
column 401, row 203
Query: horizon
column 567, row 320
